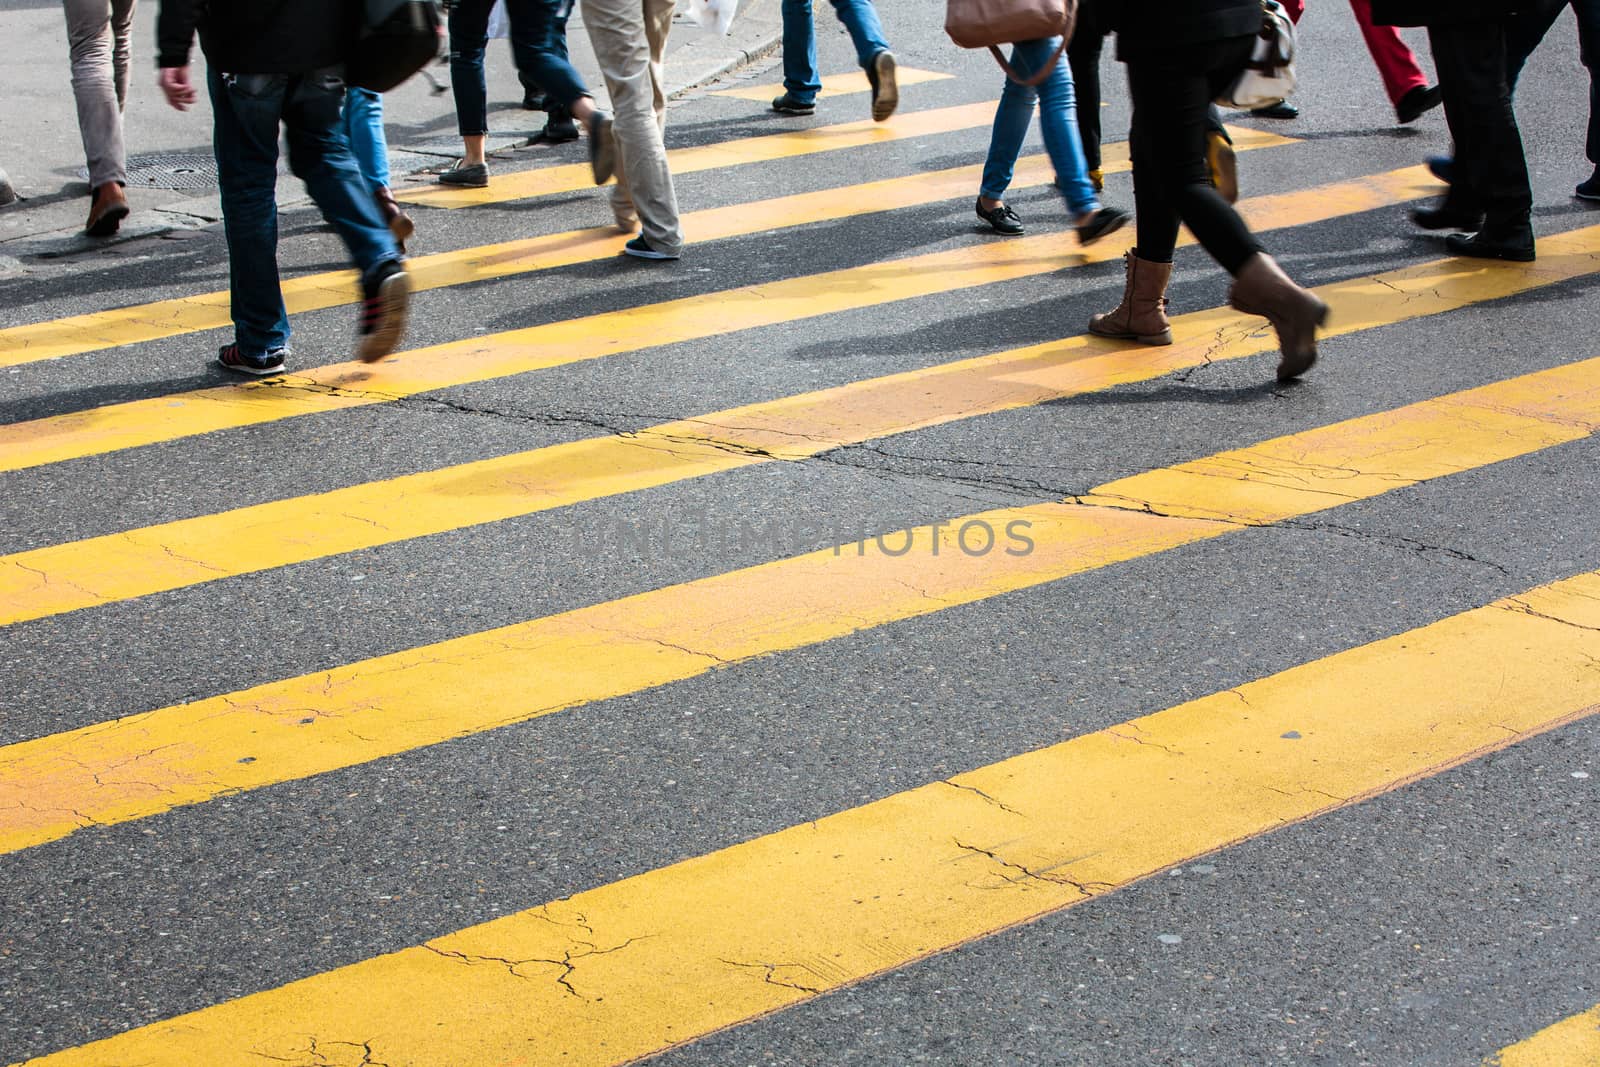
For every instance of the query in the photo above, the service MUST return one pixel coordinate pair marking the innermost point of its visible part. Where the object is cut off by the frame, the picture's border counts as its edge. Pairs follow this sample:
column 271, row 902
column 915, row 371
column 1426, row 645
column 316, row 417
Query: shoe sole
column 460, row 183
column 1591, row 197
column 1154, row 340
column 888, row 97
column 652, row 254
column 795, row 110
column 244, row 368
column 395, row 293
column 107, row 224
column 1112, row 227
column 602, row 152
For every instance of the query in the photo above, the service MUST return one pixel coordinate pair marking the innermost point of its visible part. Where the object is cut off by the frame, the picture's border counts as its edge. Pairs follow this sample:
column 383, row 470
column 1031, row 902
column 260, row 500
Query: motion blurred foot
column 1417, row 102
column 1511, row 242
column 790, row 104
column 885, row 89
column 1281, row 110
column 106, row 213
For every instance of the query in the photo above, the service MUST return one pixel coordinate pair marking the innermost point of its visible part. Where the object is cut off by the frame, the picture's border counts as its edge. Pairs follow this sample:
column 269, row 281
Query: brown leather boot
column 1142, row 315
column 107, row 210
column 1261, row 288
column 398, row 221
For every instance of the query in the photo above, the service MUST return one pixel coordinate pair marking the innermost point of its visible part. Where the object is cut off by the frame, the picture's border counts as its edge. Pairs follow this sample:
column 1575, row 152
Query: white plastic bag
column 499, row 24
column 713, row 14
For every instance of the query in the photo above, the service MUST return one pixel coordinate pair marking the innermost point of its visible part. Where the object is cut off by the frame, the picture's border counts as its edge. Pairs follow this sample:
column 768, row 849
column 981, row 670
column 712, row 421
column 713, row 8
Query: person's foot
column 107, row 210
column 8, row 194
column 1443, row 168
column 386, row 296
column 1223, row 164
column 232, row 357
column 602, row 147
column 1107, row 220
column 790, row 104
column 885, row 89
column 1514, row 243
column 1417, row 102
column 1447, row 218
column 1589, row 190
column 534, row 100
column 639, row 248
column 1097, row 178
column 471, row 175
column 558, row 128
column 399, row 223
column 1001, row 219
column 1281, row 110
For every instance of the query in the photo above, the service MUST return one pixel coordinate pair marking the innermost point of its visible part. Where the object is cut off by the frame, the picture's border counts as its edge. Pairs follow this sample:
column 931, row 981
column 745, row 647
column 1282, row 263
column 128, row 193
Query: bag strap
column 1044, row 71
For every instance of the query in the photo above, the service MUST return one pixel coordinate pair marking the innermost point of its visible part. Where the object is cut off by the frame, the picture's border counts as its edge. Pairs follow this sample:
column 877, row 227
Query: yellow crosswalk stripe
column 851, row 82
column 1573, row 1042
column 348, row 385
column 98, row 330
column 572, row 177
column 627, row 969
column 143, row 764
column 117, row 566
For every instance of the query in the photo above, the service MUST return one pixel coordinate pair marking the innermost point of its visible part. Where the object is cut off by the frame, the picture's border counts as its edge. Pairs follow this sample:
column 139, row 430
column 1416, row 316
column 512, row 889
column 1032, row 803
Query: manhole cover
column 173, row 172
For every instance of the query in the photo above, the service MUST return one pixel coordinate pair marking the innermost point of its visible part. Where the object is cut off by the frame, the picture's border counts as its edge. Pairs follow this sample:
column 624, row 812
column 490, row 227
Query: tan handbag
column 991, row 23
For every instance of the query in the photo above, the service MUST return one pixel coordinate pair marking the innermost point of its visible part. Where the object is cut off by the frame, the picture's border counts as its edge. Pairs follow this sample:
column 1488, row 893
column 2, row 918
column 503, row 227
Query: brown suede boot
column 1142, row 315
column 1261, row 288
column 107, row 210
column 398, row 221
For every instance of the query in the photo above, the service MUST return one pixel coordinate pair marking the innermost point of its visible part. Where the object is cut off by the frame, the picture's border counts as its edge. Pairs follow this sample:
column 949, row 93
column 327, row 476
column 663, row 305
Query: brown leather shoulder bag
column 992, row 23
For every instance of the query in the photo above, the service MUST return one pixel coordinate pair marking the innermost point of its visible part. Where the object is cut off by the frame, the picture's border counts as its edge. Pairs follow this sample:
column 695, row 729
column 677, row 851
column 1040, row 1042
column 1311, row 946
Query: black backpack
column 395, row 39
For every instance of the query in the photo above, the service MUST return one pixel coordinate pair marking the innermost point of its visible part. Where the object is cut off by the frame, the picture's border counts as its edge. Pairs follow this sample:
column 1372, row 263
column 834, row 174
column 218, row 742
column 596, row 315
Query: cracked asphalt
column 1427, row 926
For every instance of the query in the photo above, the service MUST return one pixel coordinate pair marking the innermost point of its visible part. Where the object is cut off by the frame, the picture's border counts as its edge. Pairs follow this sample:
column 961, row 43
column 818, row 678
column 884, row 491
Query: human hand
column 180, row 92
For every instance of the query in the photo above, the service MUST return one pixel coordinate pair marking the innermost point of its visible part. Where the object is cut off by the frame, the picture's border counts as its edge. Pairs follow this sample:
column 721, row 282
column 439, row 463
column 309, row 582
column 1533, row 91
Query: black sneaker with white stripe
column 387, row 295
column 639, row 248
column 232, row 357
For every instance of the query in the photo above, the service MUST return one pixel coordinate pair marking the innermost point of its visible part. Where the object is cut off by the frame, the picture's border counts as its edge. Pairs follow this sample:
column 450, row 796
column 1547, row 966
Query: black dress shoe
column 1447, row 218
column 1281, row 110
column 1002, row 218
column 1417, row 102
column 1514, row 243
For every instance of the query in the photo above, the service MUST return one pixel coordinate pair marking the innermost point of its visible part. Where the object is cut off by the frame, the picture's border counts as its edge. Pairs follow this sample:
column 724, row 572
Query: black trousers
column 1491, row 171
column 1529, row 27
column 1083, row 56
column 1172, row 92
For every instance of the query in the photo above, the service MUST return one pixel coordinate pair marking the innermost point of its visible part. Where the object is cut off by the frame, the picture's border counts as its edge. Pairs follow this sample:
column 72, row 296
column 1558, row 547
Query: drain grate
column 172, row 172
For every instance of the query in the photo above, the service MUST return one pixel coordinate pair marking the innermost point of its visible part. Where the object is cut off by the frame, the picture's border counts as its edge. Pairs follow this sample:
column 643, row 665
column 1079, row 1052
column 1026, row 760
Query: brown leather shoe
column 106, row 212
column 1261, row 288
column 1142, row 315
column 394, row 217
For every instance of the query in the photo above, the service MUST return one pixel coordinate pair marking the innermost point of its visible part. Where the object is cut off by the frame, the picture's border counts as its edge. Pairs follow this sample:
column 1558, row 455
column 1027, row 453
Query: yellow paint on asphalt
column 627, row 969
column 132, row 563
column 1573, row 1042
column 207, row 311
column 571, row 177
column 142, row 764
column 846, row 84
column 347, row 385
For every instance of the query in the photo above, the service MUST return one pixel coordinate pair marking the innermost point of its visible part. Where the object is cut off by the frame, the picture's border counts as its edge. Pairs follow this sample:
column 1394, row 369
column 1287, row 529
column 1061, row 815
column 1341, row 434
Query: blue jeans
column 363, row 128
column 800, row 75
column 1057, row 116
column 248, row 110
column 538, row 47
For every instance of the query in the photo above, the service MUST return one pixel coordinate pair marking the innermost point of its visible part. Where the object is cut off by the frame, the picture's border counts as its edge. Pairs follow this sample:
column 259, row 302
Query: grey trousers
column 629, row 38
column 100, row 35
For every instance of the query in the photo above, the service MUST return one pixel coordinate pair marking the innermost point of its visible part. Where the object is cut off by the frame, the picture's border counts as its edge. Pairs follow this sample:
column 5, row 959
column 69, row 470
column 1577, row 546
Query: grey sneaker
column 602, row 148
column 475, row 176
column 885, row 89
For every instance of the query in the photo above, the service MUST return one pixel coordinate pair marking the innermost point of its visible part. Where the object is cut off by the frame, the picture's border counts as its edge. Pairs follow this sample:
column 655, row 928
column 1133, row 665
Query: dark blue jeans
column 248, row 110
column 800, row 76
column 538, row 47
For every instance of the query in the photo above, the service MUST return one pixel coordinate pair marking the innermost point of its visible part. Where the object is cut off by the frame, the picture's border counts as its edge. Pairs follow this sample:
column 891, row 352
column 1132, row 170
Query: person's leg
column 1491, row 170
column 1058, row 121
column 861, row 21
column 629, row 38
column 247, row 110
column 1524, row 32
column 539, row 34
column 1294, row 9
column 363, row 126
column 1396, row 62
column 469, row 38
column 90, row 39
column 1083, row 56
column 800, row 77
column 122, row 47
column 1012, row 118
column 1588, row 12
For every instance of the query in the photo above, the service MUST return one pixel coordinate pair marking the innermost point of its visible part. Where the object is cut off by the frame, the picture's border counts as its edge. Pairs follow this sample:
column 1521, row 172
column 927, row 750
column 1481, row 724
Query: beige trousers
column 99, row 33
column 629, row 38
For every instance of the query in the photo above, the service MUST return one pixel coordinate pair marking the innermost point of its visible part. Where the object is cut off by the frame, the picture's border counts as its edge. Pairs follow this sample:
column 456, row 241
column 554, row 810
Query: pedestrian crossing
column 631, row 967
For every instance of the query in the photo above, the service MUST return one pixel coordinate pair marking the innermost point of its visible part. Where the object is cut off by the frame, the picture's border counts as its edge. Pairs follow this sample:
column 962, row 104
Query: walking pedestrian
column 1181, row 54
column 272, row 66
column 801, row 80
column 1490, row 199
column 363, row 127
column 630, row 40
column 1528, row 29
column 100, row 35
column 1403, row 78
column 1058, row 119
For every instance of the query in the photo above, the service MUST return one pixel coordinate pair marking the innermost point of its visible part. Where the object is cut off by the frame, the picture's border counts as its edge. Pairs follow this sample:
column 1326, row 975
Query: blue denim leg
column 469, row 37
column 539, row 44
column 246, row 110
column 1058, row 121
column 800, row 75
column 363, row 128
column 320, row 157
column 1011, row 121
column 860, row 19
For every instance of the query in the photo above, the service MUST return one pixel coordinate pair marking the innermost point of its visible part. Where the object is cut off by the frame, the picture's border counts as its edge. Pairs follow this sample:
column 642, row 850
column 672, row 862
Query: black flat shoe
column 1418, row 102
column 1281, row 110
column 1447, row 218
column 1514, row 244
column 1002, row 219
column 1107, row 220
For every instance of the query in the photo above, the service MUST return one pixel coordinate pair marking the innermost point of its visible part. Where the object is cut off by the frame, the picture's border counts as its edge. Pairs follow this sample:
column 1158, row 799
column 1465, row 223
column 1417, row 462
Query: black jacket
column 257, row 36
column 1439, row 12
column 1145, row 25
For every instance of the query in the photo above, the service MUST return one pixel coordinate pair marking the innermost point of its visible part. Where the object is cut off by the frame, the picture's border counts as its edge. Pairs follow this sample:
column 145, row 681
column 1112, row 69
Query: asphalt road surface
column 816, row 651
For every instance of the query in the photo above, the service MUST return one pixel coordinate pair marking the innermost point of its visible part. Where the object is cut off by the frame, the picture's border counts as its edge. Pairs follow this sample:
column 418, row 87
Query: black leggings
column 1172, row 93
